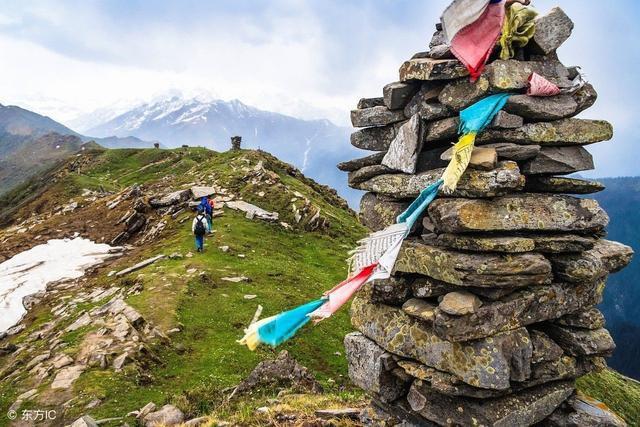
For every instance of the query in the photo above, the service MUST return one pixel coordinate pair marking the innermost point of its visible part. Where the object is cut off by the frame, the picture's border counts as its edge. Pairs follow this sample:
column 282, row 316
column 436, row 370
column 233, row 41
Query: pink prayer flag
column 473, row 44
column 539, row 86
column 340, row 294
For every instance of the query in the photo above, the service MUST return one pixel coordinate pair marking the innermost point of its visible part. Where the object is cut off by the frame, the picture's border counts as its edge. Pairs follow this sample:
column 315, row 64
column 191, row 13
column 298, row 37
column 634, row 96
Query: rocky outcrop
column 490, row 313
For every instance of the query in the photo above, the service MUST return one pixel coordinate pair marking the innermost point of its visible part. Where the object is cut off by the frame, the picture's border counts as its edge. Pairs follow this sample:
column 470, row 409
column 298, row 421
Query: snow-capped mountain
column 314, row 146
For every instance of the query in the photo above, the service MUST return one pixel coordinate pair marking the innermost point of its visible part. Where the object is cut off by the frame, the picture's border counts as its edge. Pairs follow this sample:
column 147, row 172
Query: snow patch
column 30, row 271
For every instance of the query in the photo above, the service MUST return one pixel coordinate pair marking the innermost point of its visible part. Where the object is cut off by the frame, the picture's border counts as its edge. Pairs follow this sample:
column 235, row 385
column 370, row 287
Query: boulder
column 521, row 308
column 515, row 152
column 541, row 107
column 581, row 342
column 396, row 95
column 559, row 184
column 525, row 408
column 375, row 116
column 370, row 102
column 356, row 164
column 404, row 336
column 459, row 303
column 377, row 213
column 559, row 132
column 474, row 183
column 405, row 147
column 370, row 368
column 473, row 269
column 420, row 309
column 432, row 69
column 552, row 30
column 168, row 415
column 375, row 138
column 558, row 160
column 605, row 257
column 521, row 212
column 170, row 199
column 591, row 318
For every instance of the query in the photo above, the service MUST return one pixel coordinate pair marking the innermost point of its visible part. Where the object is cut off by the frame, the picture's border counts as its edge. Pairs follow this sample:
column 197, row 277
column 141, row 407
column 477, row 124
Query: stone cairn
column 490, row 314
column 236, row 141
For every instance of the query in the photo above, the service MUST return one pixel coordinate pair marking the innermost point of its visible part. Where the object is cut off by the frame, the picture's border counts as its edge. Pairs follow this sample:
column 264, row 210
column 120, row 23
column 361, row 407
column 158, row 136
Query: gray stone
column 168, row 415
column 426, row 287
column 521, row 212
column 515, row 152
column 581, row 342
column 585, row 97
column 338, row 414
column 473, row 183
column 404, row 336
column 366, row 173
column 375, row 116
column 583, row 411
column 558, row 160
column 170, row 199
column 445, row 129
column 591, row 318
column 438, row 39
column 552, row 30
column 521, row 409
column 430, row 159
column 377, row 213
column 504, row 120
column 459, row 303
column 441, row 51
column 560, row 243
column 67, row 376
column 521, row 308
column 397, row 95
column 375, row 138
column 420, row 309
column 559, row 132
column 84, row 421
column 392, row 291
column 509, row 244
column 514, row 75
column 544, row 348
column 461, row 93
column 370, row 368
column 432, row 69
column 425, row 102
column 370, row 102
column 473, row 269
column 481, row 158
column 541, row 107
column 356, row 164
column 405, row 147
column 558, row 184
column 605, row 257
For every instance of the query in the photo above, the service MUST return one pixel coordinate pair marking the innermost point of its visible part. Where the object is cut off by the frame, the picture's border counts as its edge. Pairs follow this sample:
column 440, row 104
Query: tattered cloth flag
column 539, row 86
column 471, row 37
column 473, row 120
column 376, row 256
column 519, row 26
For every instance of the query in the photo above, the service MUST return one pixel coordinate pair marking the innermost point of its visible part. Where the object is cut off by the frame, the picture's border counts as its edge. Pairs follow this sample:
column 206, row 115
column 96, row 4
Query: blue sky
column 310, row 59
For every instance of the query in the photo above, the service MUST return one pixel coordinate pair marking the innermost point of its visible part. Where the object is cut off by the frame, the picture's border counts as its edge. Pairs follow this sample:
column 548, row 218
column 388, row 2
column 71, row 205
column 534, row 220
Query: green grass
column 618, row 392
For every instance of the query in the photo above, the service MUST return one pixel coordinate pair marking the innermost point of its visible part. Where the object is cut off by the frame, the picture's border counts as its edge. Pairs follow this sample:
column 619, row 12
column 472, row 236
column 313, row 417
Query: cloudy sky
column 311, row 59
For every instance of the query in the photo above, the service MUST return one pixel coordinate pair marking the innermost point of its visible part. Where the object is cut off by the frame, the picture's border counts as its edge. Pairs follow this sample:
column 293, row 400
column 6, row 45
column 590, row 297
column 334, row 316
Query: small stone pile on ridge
column 490, row 315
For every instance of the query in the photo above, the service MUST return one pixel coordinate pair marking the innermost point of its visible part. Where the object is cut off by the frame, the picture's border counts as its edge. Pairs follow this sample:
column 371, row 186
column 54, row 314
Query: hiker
column 199, row 228
column 208, row 211
column 212, row 204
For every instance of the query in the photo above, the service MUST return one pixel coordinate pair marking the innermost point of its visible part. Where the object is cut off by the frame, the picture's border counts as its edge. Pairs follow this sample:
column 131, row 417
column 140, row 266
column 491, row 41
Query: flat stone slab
column 552, row 30
column 432, row 69
column 507, row 75
column 581, row 342
column 355, row 164
column 525, row 408
column 542, row 107
column 420, row 309
column 375, row 116
column 370, row 368
column 392, row 291
column 473, row 183
column 559, row 160
column 544, row 348
column 559, row 133
column 473, row 269
column 591, row 318
column 67, row 376
column 521, row 212
column 397, row 95
column 557, row 243
column 365, row 173
column 605, row 257
column 562, row 185
column 370, row 102
column 521, row 308
column 515, row 152
column 400, row 334
column 375, row 138
column 481, row 157
column 461, row 93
